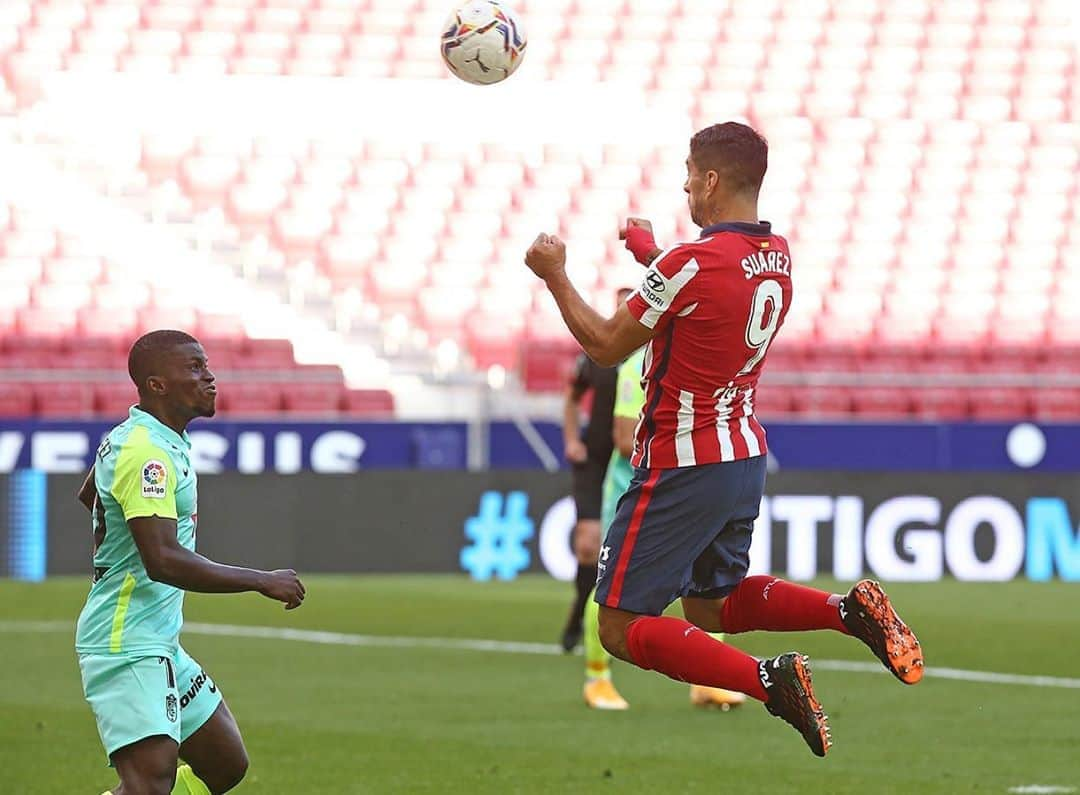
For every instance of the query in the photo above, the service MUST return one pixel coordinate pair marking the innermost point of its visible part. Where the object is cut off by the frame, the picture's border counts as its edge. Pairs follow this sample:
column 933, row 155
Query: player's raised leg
column 210, row 740
column 768, row 603
column 147, row 766
column 216, row 752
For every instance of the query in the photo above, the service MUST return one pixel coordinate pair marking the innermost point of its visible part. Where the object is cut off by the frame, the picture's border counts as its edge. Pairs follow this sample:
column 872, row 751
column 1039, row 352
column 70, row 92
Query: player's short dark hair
column 145, row 354
column 737, row 152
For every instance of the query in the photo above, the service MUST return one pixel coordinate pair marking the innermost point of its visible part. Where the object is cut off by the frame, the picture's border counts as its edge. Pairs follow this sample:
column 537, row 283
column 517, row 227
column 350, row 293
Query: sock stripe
column 627, row 551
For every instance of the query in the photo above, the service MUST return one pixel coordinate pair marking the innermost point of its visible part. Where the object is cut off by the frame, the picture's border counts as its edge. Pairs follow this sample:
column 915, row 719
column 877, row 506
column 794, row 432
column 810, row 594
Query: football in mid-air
column 483, row 41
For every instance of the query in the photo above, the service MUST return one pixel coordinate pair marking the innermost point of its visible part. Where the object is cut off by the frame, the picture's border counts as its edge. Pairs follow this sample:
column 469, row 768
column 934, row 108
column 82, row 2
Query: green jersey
column 629, row 400
column 143, row 468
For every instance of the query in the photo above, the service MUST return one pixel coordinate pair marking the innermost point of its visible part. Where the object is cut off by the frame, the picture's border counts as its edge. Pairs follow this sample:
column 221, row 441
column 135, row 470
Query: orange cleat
column 724, row 700
column 786, row 680
column 601, row 694
column 869, row 616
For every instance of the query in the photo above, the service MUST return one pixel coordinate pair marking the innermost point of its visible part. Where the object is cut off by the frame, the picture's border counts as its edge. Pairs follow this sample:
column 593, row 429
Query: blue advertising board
column 58, row 446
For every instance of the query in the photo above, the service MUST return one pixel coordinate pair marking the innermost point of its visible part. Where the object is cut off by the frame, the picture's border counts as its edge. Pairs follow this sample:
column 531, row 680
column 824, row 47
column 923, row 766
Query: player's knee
column 613, row 635
column 153, row 782
column 236, row 771
column 703, row 615
column 228, row 772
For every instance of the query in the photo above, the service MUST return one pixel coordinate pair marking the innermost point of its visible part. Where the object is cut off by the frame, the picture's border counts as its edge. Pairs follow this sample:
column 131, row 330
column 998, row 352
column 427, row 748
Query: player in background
column 600, row 691
column 588, row 450
column 153, row 703
column 707, row 311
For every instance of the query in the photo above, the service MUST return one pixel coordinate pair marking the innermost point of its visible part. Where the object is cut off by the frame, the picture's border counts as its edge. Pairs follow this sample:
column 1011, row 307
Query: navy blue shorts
column 680, row 532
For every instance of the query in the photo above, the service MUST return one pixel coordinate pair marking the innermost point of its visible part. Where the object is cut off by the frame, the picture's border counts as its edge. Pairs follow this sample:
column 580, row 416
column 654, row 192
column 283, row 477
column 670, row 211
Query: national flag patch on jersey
column 154, row 475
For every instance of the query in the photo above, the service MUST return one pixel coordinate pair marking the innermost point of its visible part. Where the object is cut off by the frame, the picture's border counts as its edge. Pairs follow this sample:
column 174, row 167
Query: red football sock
column 763, row 602
column 678, row 649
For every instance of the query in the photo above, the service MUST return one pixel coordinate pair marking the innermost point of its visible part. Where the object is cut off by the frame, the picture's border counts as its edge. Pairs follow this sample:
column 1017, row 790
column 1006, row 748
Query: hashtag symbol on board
column 498, row 534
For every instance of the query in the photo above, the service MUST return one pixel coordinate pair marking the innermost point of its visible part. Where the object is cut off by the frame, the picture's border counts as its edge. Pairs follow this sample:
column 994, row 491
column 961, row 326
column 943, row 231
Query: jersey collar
column 760, row 229
column 146, row 418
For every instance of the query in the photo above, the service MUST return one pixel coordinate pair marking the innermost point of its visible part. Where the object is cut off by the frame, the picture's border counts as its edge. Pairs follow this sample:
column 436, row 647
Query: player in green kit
column 600, row 692
column 153, row 703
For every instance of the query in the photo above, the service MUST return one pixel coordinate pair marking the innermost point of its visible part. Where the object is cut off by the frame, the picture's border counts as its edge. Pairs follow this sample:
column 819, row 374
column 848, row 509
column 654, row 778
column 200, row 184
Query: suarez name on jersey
column 716, row 304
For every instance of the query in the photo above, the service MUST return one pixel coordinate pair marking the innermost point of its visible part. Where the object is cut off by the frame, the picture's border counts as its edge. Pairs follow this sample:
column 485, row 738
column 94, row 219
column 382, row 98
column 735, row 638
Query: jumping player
column 600, row 691
column 707, row 311
column 153, row 703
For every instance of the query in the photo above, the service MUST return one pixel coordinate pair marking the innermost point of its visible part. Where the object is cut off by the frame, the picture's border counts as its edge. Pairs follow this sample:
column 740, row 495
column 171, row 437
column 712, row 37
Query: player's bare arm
column 572, row 444
column 607, row 341
column 168, row 562
column 88, row 491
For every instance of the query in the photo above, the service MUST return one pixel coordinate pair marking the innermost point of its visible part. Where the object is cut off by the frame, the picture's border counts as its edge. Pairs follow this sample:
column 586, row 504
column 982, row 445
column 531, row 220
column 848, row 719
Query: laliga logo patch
column 154, row 475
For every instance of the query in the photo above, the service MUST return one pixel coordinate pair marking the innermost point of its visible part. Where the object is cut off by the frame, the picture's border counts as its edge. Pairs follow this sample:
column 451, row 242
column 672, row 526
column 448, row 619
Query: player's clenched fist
column 546, row 256
column 639, row 239
column 284, row 586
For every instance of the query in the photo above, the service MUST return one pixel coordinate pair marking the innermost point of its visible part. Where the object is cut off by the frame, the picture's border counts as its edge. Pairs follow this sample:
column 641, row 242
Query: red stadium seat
column 939, row 403
column 268, row 355
column 113, row 399
column 116, row 325
column 823, row 401
column 319, row 398
column 546, row 367
column 1056, row 405
column 367, row 403
column 774, row 401
column 16, row 400
column 249, row 398
column 883, row 404
column 57, row 399
column 1001, row 403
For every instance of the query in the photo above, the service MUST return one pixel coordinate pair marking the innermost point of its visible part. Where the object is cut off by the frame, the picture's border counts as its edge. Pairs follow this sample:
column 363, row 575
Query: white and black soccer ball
column 483, row 41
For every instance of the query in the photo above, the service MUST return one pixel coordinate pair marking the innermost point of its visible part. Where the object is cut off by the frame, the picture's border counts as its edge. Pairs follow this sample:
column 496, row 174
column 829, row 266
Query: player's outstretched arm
column 168, row 562
column 607, row 341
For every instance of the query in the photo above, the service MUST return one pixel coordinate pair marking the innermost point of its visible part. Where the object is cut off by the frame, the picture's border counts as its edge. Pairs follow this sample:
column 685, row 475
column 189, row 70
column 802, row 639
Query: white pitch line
column 1041, row 789
column 519, row 647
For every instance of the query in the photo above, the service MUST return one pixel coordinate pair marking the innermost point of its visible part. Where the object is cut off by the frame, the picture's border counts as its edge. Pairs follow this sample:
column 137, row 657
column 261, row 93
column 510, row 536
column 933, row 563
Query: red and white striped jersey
column 717, row 303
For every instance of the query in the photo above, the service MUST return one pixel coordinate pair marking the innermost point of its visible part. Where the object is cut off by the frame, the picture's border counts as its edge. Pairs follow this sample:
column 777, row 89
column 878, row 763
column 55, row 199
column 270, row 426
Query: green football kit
column 137, row 678
column 629, row 400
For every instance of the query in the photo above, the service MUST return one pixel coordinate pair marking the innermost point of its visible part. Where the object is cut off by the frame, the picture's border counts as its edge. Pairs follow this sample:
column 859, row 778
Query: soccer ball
column 483, row 42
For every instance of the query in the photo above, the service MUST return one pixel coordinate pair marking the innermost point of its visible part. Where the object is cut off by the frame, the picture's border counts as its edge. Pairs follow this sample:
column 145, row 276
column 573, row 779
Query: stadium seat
column 250, row 399
column 546, row 367
column 367, row 403
column 56, row 399
column 317, row 398
column 113, row 399
column 16, row 399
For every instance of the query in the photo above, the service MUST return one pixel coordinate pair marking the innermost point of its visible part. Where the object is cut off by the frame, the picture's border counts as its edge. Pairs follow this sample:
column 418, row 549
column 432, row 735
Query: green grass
column 333, row 719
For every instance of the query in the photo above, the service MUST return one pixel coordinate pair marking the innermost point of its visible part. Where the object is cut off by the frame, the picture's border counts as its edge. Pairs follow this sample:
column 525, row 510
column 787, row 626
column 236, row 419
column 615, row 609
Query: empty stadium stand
column 924, row 168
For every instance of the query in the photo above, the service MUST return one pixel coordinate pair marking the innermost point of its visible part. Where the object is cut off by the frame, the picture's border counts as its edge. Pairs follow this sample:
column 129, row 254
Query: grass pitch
column 338, row 719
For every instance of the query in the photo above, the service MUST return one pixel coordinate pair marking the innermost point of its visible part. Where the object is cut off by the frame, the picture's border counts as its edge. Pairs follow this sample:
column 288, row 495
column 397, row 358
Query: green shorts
column 136, row 698
column 616, row 482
